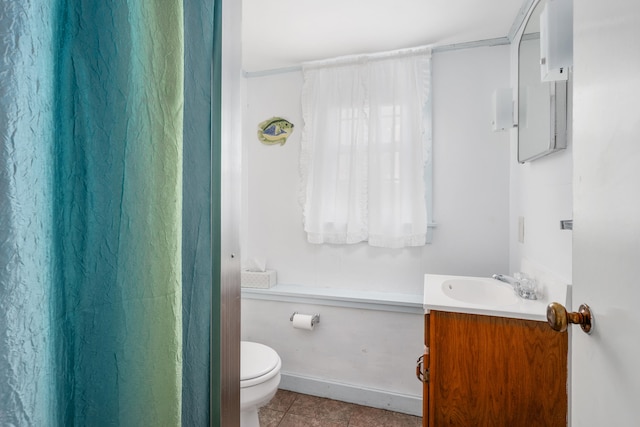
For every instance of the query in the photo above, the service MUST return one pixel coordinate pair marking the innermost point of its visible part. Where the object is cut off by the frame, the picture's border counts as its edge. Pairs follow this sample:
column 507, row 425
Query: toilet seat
column 258, row 363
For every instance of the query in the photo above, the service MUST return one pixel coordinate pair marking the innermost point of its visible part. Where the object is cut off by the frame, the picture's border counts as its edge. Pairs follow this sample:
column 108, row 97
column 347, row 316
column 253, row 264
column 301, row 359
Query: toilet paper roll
column 303, row 321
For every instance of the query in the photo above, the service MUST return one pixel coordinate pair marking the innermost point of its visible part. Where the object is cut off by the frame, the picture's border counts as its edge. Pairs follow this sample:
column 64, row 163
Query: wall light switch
column 521, row 229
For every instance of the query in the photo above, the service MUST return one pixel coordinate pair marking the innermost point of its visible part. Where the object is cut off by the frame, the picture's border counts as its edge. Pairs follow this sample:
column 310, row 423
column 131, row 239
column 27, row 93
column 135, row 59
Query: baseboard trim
column 397, row 402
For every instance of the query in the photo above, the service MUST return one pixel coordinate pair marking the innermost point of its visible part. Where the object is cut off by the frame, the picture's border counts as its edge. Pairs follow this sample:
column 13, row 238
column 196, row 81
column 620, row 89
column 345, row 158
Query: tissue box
column 258, row 279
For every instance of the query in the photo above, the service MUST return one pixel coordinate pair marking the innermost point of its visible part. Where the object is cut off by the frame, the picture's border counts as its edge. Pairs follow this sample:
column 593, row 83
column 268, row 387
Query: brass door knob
column 558, row 317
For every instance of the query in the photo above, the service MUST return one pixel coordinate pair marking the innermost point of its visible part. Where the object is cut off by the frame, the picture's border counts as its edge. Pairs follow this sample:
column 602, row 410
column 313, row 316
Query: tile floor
column 289, row 409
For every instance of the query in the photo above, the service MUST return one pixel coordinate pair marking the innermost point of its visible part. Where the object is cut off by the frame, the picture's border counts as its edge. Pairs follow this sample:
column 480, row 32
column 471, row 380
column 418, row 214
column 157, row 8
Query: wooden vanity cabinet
column 493, row 371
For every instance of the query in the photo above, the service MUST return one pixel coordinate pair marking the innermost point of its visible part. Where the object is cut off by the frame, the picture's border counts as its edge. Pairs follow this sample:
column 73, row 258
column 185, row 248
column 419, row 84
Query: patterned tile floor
column 289, row 409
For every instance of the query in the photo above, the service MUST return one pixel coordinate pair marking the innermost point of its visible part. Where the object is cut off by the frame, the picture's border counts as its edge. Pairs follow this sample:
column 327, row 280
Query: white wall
column 356, row 355
column 369, row 349
column 541, row 193
column 471, row 190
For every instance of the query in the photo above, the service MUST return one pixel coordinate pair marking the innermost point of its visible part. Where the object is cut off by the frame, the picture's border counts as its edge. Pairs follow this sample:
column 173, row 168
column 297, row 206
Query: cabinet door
column 493, row 371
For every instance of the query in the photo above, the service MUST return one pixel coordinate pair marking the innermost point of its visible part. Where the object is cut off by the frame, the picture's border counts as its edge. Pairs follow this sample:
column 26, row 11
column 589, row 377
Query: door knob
column 559, row 319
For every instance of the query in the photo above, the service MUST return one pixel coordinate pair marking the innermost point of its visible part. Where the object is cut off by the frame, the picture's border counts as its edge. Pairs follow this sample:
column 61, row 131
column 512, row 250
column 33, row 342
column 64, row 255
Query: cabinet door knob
column 559, row 319
column 421, row 373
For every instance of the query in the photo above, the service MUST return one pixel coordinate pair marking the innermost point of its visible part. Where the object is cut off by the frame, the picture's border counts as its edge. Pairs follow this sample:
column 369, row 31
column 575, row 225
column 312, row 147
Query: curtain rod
column 350, row 59
column 434, row 50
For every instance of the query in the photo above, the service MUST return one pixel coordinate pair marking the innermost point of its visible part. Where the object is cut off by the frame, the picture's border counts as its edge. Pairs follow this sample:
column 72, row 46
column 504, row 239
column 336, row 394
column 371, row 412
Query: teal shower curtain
column 92, row 98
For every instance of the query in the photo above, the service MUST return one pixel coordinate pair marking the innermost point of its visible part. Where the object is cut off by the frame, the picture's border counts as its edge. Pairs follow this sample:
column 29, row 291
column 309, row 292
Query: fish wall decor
column 276, row 130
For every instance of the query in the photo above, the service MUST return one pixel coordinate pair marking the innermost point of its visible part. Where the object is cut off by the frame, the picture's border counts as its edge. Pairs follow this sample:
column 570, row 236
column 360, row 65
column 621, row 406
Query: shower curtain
column 91, row 213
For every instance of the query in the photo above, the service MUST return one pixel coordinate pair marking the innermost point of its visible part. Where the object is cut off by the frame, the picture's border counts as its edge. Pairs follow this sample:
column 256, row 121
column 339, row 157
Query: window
column 365, row 144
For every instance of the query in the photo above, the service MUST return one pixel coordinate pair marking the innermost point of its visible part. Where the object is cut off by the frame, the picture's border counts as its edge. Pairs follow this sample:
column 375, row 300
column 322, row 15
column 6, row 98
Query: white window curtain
column 366, row 139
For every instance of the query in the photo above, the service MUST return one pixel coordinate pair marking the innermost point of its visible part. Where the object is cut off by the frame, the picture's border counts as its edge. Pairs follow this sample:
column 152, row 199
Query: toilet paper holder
column 315, row 319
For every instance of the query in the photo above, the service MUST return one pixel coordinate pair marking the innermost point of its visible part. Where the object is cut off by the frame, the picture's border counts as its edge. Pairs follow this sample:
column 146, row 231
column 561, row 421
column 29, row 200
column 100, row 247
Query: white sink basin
column 486, row 296
column 482, row 291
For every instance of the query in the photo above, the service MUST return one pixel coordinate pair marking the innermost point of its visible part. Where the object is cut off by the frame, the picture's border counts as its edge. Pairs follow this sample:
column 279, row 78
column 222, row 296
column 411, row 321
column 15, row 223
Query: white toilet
column 259, row 379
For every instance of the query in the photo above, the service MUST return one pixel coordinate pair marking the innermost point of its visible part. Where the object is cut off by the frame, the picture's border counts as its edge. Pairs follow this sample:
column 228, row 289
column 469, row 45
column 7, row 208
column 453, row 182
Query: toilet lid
column 256, row 360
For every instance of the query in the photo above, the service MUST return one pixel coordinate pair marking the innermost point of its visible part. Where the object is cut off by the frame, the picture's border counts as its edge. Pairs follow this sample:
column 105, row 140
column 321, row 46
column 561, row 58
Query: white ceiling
column 284, row 33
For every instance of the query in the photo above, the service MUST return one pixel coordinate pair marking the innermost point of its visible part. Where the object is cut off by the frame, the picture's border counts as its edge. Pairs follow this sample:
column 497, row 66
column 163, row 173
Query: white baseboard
column 404, row 403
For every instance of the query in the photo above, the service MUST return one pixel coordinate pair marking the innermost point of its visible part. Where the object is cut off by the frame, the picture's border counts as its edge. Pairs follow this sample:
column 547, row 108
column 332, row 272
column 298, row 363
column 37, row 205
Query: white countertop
column 436, row 299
